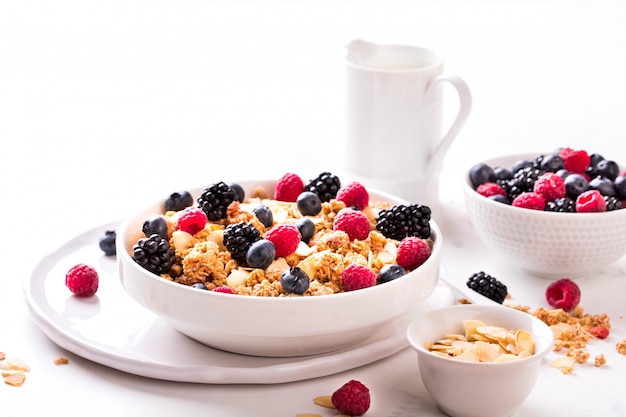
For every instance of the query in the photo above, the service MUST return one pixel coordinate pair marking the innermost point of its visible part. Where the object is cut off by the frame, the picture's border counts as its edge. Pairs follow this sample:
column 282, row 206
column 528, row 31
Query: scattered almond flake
column 564, row 363
column 61, row 361
column 18, row 364
column 324, row 401
column 2, row 356
column 16, row 380
column 599, row 360
column 4, row 365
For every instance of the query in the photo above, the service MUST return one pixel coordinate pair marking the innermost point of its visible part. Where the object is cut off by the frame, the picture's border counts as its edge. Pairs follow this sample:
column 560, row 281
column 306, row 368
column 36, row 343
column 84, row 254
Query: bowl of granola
column 479, row 360
column 554, row 214
column 279, row 267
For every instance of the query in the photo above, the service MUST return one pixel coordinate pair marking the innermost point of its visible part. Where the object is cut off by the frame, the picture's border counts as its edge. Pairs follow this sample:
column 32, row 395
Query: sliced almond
column 524, row 341
column 508, row 357
column 324, row 401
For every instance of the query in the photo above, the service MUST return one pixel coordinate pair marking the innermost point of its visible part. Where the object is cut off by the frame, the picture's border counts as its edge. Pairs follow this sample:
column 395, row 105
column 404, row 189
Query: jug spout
column 359, row 50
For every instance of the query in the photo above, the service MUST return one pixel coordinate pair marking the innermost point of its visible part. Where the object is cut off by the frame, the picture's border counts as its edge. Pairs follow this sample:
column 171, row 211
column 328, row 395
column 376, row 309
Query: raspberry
column 224, row 289
column 590, row 202
column 82, row 280
column 192, row 220
column 355, row 223
column 490, row 188
column 285, row 238
column 599, row 332
column 550, row 186
column 575, row 161
column 288, row 188
column 356, row 277
column 563, row 294
column 529, row 200
column 354, row 195
column 412, row 252
column 352, row 399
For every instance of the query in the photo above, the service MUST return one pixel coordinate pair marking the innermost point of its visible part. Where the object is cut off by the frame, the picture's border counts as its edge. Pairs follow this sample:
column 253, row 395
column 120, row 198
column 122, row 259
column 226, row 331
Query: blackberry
column 562, row 205
column 613, row 203
column 154, row 253
column 402, row 220
column 488, row 286
column 525, row 178
column 239, row 237
column 325, row 186
column 215, row 199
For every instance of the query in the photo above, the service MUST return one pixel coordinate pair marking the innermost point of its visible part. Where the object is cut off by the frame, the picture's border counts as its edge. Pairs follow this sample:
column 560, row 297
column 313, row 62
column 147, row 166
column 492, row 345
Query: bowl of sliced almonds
column 479, row 360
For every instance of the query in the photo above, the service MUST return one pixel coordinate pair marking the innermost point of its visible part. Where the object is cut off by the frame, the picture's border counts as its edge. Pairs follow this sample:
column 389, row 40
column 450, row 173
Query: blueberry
column 309, row 203
column 155, row 225
column 620, row 187
column 107, row 242
column 239, row 192
column 390, row 272
column 604, row 185
column 552, row 163
column 607, row 169
column 199, row 285
column 178, row 201
column 521, row 164
column 306, row 228
column 563, row 173
column 294, row 281
column 260, row 254
column 481, row 173
column 264, row 214
column 594, row 158
column 575, row 184
column 502, row 173
column 500, row 198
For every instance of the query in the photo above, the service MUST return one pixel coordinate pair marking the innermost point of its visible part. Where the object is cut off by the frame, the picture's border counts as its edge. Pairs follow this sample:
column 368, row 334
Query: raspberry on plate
column 590, row 202
column 489, row 189
column 529, row 200
column 82, row 280
column 550, row 186
column 599, row 332
column 352, row 399
column 285, row 238
column 563, row 293
column 412, row 252
column 575, row 161
column 354, row 195
column 356, row 277
column 355, row 223
column 192, row 220
column 288, row 188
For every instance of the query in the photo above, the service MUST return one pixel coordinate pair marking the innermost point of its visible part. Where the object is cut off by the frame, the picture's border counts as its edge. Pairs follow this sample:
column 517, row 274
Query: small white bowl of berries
column 280, row 268
column 554, row 214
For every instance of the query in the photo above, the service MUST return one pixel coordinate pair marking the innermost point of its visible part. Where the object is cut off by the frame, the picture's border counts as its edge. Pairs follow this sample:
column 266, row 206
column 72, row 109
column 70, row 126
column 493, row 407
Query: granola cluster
column 202, row 258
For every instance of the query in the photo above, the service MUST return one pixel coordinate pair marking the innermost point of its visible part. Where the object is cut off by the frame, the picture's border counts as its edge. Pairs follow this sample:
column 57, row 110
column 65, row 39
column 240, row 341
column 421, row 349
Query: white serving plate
column 113, row 330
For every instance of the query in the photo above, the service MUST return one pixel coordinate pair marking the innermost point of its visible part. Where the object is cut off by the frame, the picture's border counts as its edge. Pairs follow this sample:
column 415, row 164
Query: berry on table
column 294, row 281
column 82, row 280
column 412, row 252
column 390, row 272
column 402, row 220
column 590, row 202
column 238, row 237
column 356, row 277
column 325, row 185
column 107, row 242
column 352, row 399
column 288, row 187
column 215, row 199
column 154, row 253
column 599, row 332
column 285, row 237
column 355, row 223
column 191, row 220
column 309, row 203
column 488, row 286
column 354, row 195
column 260, row 254
column 529, row 200
column 563, row 293
column 178, row 200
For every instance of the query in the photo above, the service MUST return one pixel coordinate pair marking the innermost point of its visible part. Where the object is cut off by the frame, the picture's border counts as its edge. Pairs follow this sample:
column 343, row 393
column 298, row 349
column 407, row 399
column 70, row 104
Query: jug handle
column 465, row 105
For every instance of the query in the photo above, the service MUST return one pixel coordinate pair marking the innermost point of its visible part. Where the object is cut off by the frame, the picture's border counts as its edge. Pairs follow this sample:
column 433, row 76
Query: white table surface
column 106, row 104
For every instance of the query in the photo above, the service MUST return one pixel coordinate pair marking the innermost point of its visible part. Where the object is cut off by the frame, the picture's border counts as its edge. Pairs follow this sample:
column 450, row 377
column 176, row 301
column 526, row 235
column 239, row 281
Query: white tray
column 111, row 329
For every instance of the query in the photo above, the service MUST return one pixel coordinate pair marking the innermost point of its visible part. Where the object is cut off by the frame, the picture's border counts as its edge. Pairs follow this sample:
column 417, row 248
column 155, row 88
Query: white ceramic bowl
column 471, row 389
column 273, row 326
column 546, row 244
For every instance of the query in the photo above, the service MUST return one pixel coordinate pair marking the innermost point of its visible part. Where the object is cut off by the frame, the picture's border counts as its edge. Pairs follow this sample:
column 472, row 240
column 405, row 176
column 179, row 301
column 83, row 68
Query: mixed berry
column 566, row 180
column 82, row 280
column 265, row 235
